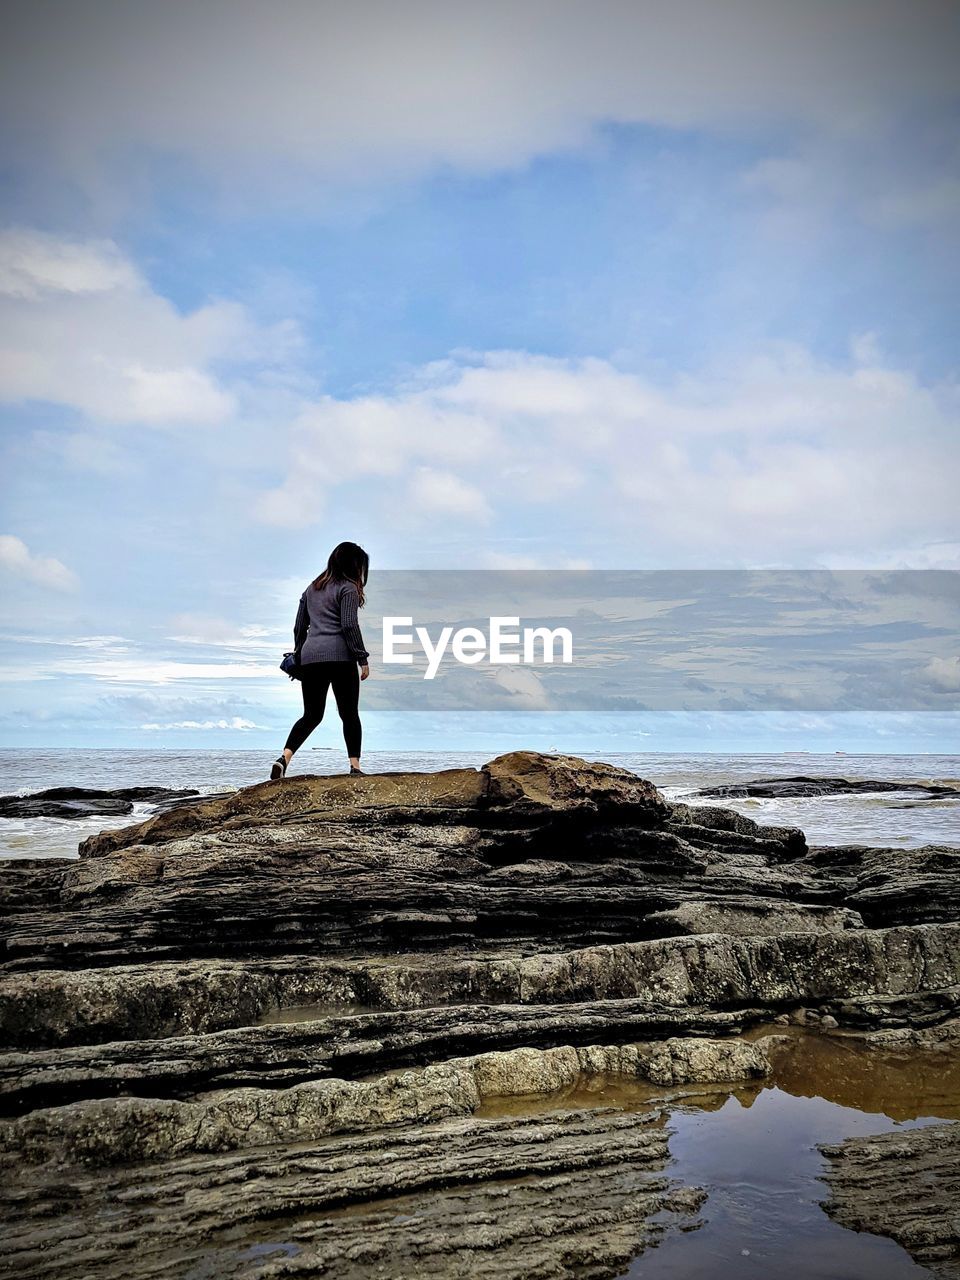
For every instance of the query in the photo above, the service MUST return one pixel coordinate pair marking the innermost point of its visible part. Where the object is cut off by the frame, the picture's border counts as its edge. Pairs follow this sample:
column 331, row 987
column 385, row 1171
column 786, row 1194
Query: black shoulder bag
column 291, row 665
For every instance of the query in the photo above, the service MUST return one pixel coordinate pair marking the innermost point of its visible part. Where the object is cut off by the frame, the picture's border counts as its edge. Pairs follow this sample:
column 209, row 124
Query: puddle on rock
column 901, row 1084
column 754, row 1150
column 896, row 1083
column 758, row 1161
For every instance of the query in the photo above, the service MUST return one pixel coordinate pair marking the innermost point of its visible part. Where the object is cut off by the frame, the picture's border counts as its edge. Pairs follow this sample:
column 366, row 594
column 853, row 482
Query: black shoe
column 278, row 768
column 357, row 771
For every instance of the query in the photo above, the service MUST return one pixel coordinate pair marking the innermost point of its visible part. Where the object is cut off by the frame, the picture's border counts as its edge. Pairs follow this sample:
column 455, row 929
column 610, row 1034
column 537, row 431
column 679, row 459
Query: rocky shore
column 905, row 1185
column 84, row 802
column 788, row 788
column 251, row 1035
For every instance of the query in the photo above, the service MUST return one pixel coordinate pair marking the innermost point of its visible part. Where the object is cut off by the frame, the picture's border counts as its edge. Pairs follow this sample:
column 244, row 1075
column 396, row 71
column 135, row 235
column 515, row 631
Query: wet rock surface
column 572, row 1193
column 122, row 1129
column 84, row 802
column 361, row 961
column 787, row 788
column 905, row 1185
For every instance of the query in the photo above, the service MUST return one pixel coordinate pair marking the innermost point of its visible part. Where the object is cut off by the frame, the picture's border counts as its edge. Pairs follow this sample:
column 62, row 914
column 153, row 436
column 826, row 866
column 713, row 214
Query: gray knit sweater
column 326, row 628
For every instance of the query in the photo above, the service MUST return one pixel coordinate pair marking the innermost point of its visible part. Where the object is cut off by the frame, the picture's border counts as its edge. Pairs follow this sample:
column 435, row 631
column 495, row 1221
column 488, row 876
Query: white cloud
column 236, row 722
column 366, row 88
column 521, row 688
column 109, row 666
column 156, row 396
column 102, row 644
column 79, row 326
column 336, row 441
column 17, row 558
column 442, row 493
column 140, row 671
column 776, row 458
column 147, row 670
column 520, row 560
column 896, row 178
column 944, row 673
column 931, row 555
column 32, row 264
column 221, row 633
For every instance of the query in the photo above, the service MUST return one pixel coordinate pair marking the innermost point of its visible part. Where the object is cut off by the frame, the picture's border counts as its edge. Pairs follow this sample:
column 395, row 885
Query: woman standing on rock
column 327, row 639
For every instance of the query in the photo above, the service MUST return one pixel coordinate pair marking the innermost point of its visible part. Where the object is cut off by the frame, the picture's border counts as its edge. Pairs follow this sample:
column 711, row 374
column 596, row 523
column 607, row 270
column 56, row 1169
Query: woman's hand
column 364, row 671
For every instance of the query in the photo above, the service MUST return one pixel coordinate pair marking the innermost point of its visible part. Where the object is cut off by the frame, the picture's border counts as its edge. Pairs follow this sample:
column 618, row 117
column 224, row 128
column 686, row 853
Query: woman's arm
column 349, row 603
column 301, row 625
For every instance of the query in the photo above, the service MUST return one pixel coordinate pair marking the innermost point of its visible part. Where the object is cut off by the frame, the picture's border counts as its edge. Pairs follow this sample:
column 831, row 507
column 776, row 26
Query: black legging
column 316, row 680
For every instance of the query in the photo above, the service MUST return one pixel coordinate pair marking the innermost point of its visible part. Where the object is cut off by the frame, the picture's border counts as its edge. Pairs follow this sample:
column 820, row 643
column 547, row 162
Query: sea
column 889, row 819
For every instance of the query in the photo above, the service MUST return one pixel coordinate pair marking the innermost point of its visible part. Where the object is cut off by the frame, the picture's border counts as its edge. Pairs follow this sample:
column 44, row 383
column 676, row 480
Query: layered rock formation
column 261, row 990
column 905, row 1185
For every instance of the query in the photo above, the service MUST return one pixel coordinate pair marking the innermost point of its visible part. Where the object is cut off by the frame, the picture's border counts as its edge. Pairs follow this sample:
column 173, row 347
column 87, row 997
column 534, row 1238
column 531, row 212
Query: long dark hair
column 347, row 563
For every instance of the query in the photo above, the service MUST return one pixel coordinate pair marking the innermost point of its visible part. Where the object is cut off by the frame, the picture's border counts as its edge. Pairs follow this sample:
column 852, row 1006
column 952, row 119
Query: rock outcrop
column 247, row 995
column 789, row 788
column 85, row 802
column 905, row 1185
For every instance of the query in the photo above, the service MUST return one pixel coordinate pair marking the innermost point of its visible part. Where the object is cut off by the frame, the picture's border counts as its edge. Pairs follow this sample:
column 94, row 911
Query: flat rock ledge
column 905, row 1185
column 258, row 1031
column 572, row 1193
column 123, row 1129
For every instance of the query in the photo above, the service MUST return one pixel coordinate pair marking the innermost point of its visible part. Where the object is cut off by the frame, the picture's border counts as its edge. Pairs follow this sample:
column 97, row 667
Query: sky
column 506, row 286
